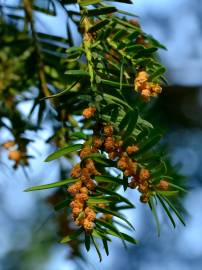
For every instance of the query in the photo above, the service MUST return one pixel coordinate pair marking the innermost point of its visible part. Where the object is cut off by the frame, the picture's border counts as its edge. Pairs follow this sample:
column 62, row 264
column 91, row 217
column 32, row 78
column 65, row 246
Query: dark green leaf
column 74, row 49
column 89, row 2
column 99, row 158
column 114, row 213
column 176, row 186
column 111, row 228
column 123, row 225
column 174, row 210
column 44, row 10
column 156, row 180
column 128, row 123
column 153, row 209
column 155, row 42
column 62, row 92
column 121, row 74
column 102, row 199
column 124, row 122
column 126, row 13
column 51, row 37
column 125, row 183
column 126, row 24
column 108, row 179
column 159, row 169
column 71, row 237
column 115, row 113
column 97, row 248
column 146, row 52
column 105, row 245
column 99, row 234
column 134, row 48
column 101, row 11
column 78, row 135
column 116, row 100
column 116, row 84
column 167, row 193
column 161, row 70
column 107, row 225
column 150, row 143
column 87, row 241
column 62, row 204
column 64, row 151
column 77, row 73
column 120, row 197
column 119, row 34
column 144, row 123
column 133, row 116
column 98, row 26
column 123, row 236
column 167, row 211
column 52, row 185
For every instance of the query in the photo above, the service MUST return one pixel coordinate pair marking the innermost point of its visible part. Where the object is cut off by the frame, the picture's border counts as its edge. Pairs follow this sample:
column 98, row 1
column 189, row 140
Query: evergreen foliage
column 94, row 97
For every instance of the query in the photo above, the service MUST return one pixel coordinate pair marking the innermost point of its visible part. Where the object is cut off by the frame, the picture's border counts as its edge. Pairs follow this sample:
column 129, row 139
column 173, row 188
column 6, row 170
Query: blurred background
column 28, row 234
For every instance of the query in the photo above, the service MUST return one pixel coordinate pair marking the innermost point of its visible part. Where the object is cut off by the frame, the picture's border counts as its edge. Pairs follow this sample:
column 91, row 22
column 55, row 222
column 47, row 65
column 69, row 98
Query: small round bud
column 108, row 130
column 133, row 184
column 156, row 88
column 144, row 198
column 76, row 211
column 145, row 94
column 134, row 22
column 89, row 164
column 97, row 142
column 84, row 190
column 89, row 112
column 106, row 217
column 132, row 149
column 127, row 173
column 140, row 80
column 90, row 214
column 163, row 184
column 101, row 205
column 79, row 221
column 109, row 144
column 76, row 204
column 75, row 172
column 82, row 197
column 122, row 163
column 143, row 188
column 15, row 155
column 88, row 225
column 90, row 184
column 85, row 152
column 144, row 174
column 113, row 155
column 9, row 144
column 73, row 189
